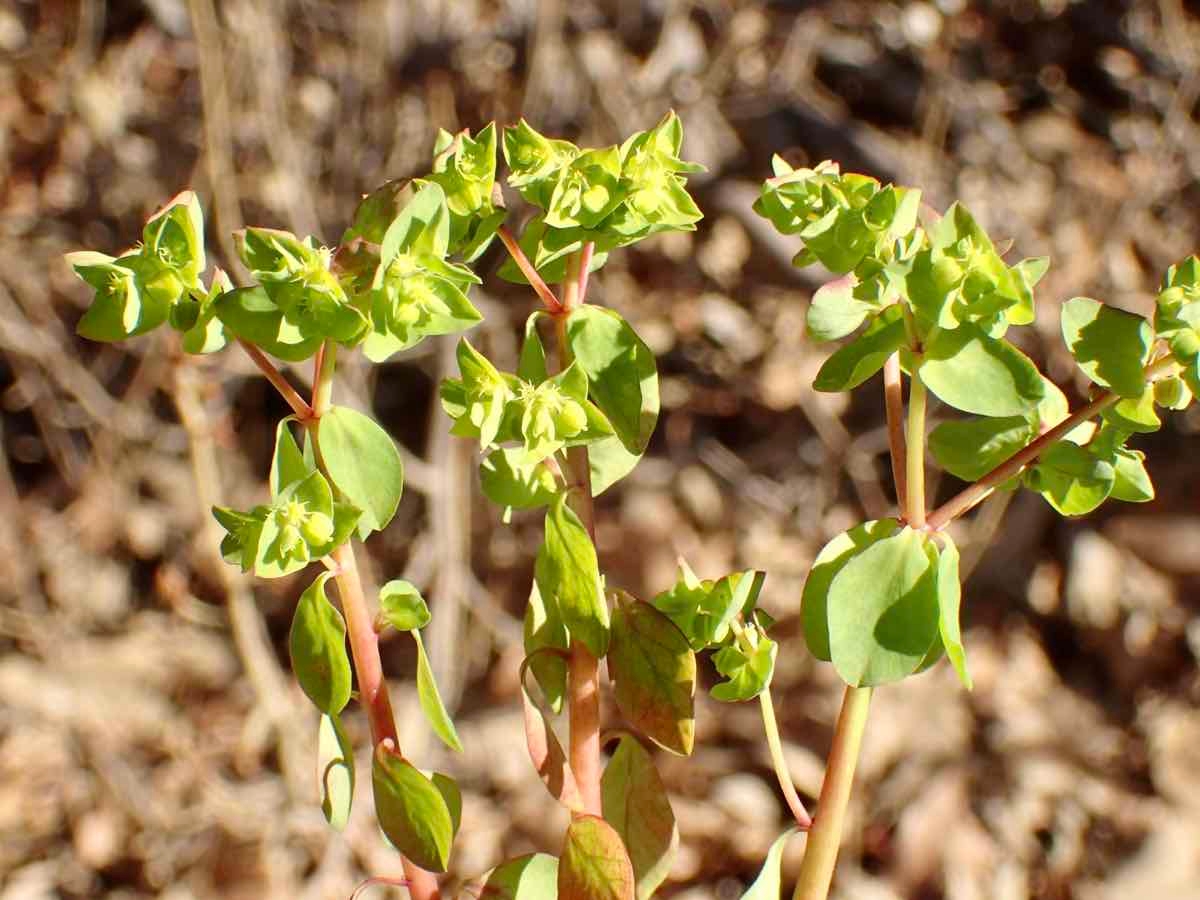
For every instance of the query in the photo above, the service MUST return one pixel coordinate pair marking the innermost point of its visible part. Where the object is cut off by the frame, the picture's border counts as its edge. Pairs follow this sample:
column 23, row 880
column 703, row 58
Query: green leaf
column 622, row 376
column 288, row 464
column 377, row 210
column 883, row 610
column 949, row 592
column 814, row 602
column 635, row 803
column 530, row 877
column 532, row 366
column 971, row 371
column 654, row 674
column 335, row 765
column 544, row 628
column 1136, row 414
column 854, row 363
column 411, row 810
column 250, row 314
column 431, row 699
column 508, row 481
column 769, row 883
column 175, row 237
column 835, row 312
column 422, row 226
column 568, row 577
column 402, row 606
column 363, row 463
column 609, row 462
column 317, row 644
column 545, row 751
column 1070, row 479
column 594, row 864
column 703, row 611
column 748, row 671
column 450, row 792
column 970, row 448
column 1110, row 345
column 1131, row 481
column 123, row 306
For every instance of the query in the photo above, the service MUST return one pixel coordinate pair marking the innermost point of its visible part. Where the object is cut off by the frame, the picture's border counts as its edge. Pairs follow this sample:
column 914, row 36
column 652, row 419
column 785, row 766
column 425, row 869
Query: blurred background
column 152, row 741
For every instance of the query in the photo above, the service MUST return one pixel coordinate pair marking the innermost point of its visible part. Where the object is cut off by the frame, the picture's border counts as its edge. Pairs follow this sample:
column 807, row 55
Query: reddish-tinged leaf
column 547, row 753
column 635, row 803
column 594, row 864
column 653, row 669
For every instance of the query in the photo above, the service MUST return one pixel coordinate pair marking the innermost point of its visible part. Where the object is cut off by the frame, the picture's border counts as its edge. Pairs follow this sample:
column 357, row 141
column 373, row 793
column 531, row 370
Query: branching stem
column 298, row 404
column 969, row 497
column 553, row 304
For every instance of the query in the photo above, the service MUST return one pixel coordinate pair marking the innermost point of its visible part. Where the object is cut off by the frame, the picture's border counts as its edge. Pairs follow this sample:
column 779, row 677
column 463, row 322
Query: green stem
column 775, row 745
column 893, row 395
column 820, row 854
column 774, row 742
column 325, row 363
column 914, row 501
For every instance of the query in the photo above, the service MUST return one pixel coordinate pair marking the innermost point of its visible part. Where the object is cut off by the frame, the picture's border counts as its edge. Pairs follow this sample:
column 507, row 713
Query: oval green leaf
column 883, row 610
column 1110, row 345
column 949, row 590
column 317, row 644
column 971, row 371
column 814, row 601
column 865, row 355
column 363, row 463
column 622, row 375
column 402, row 606
column 568, row 577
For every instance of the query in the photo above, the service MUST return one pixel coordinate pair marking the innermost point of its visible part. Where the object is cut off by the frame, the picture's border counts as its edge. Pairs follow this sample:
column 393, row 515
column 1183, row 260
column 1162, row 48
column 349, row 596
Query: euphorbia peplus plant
column 565, row 426
column 882, row 600
column 937, row 300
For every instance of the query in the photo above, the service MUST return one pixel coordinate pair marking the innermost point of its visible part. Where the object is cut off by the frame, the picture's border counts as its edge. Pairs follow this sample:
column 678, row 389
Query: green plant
column 882, row 601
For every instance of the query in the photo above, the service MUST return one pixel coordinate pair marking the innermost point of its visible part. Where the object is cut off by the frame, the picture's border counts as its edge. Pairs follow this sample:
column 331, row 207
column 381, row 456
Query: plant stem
column 774, row 742
column 583, row 669
column 914, row 501
column 301, row 408
column 893, row 395
column 975, row 493
column 553, row 304
column 360, row 629
column 820, row 854
column 775, row 745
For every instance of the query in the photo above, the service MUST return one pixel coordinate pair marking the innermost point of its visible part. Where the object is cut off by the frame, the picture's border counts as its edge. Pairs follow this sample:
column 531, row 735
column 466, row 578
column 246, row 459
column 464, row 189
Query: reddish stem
column 553, row 304
column 583, row 668
column 298, row 404
column 970, row 496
